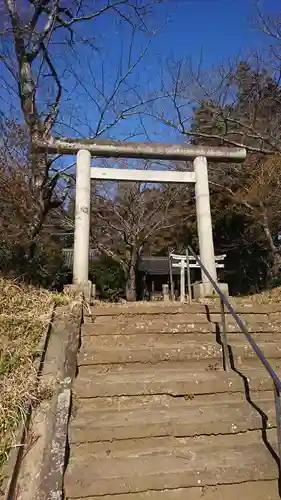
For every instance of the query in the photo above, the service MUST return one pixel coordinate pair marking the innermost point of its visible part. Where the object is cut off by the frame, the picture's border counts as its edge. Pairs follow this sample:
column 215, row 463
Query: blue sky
column 219, row 28
column 214, row 29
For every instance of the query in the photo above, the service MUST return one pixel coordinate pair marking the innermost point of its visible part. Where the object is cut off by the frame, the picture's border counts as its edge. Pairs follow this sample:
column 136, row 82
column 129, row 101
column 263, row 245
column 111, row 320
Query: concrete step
column 179, row 318
column 154, row 348
column 105, row 419
column 256, row 490
column 163, row 378
column 162, row 326
column 133, row 466
column 150, row 308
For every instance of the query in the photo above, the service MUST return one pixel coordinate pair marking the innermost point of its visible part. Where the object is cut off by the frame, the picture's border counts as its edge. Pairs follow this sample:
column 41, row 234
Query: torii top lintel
column 144, row 150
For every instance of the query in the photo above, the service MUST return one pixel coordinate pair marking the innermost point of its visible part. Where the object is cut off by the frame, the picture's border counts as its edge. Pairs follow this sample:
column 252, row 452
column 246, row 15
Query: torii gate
column 115, row 149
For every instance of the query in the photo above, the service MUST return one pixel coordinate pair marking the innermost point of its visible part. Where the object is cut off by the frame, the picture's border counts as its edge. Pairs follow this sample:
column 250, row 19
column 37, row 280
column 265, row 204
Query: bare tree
column 240, row 99
column 235, row 104
column 17, row 198
column 125, row 223
column 31, row 34
column 126, row 218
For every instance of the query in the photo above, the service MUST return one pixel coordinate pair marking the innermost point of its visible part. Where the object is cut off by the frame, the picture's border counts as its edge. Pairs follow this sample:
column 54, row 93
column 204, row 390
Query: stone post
column 182, row 284
column 152, row 290
column 204, row 224
column 165, row 292
column 82, row 219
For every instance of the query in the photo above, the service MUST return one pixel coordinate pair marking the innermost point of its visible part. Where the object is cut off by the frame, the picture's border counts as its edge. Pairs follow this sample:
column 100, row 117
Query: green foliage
column 275, row 282
column 109, row 278
column 48, row 268
column 38, row 265
column 8, row 362
column 245, row 199
column 247, row 254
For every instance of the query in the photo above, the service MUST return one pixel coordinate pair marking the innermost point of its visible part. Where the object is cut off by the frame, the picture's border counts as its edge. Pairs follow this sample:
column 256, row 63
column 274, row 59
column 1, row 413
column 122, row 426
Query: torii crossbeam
column 85, row 148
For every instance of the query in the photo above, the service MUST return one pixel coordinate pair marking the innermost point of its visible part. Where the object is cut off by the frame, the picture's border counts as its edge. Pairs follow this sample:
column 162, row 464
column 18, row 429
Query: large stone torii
column 85, row 149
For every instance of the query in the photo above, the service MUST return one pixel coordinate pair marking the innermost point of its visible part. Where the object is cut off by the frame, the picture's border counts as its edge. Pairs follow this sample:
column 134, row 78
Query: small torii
column 187, row 262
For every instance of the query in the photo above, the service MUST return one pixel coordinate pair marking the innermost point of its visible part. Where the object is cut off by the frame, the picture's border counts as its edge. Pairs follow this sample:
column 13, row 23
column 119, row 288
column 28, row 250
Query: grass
column 24, row 314
column 271, row 296
column 267, row 297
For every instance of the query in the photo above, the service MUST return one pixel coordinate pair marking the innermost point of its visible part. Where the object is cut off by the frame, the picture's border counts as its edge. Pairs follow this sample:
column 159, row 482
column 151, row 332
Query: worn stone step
column 161, row 326
column 150, row 308
column 162, row 415
column 240, row 363
column 163, row 378
column 256, row 490
column 154, row 348
column 180, row 318
column 153, row 318
column 131, row 466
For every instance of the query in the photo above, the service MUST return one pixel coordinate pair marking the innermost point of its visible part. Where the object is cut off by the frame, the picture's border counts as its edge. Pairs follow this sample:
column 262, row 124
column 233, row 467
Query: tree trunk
column 131, row 294
column 275, row 268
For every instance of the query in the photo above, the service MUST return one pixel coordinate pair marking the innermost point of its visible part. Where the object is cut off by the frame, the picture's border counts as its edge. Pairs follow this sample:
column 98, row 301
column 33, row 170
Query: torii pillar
column 82, row 225
column 117, row 149
column 205, row 229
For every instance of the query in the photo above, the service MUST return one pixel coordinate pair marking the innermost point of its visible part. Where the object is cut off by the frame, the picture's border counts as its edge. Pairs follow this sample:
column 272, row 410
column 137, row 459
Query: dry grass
column 24, row 314
column 268, row 297
column 272, row 296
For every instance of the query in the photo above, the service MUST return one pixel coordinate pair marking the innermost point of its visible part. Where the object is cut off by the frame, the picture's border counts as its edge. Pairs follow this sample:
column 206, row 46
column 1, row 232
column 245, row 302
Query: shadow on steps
column 264, row 417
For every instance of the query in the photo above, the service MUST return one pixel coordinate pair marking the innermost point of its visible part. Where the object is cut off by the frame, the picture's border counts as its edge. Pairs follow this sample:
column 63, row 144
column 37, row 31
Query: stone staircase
column 155, row 417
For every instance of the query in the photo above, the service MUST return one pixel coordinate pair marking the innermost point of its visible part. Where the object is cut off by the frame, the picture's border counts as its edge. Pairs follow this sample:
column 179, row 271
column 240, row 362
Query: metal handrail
column 275, row 379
